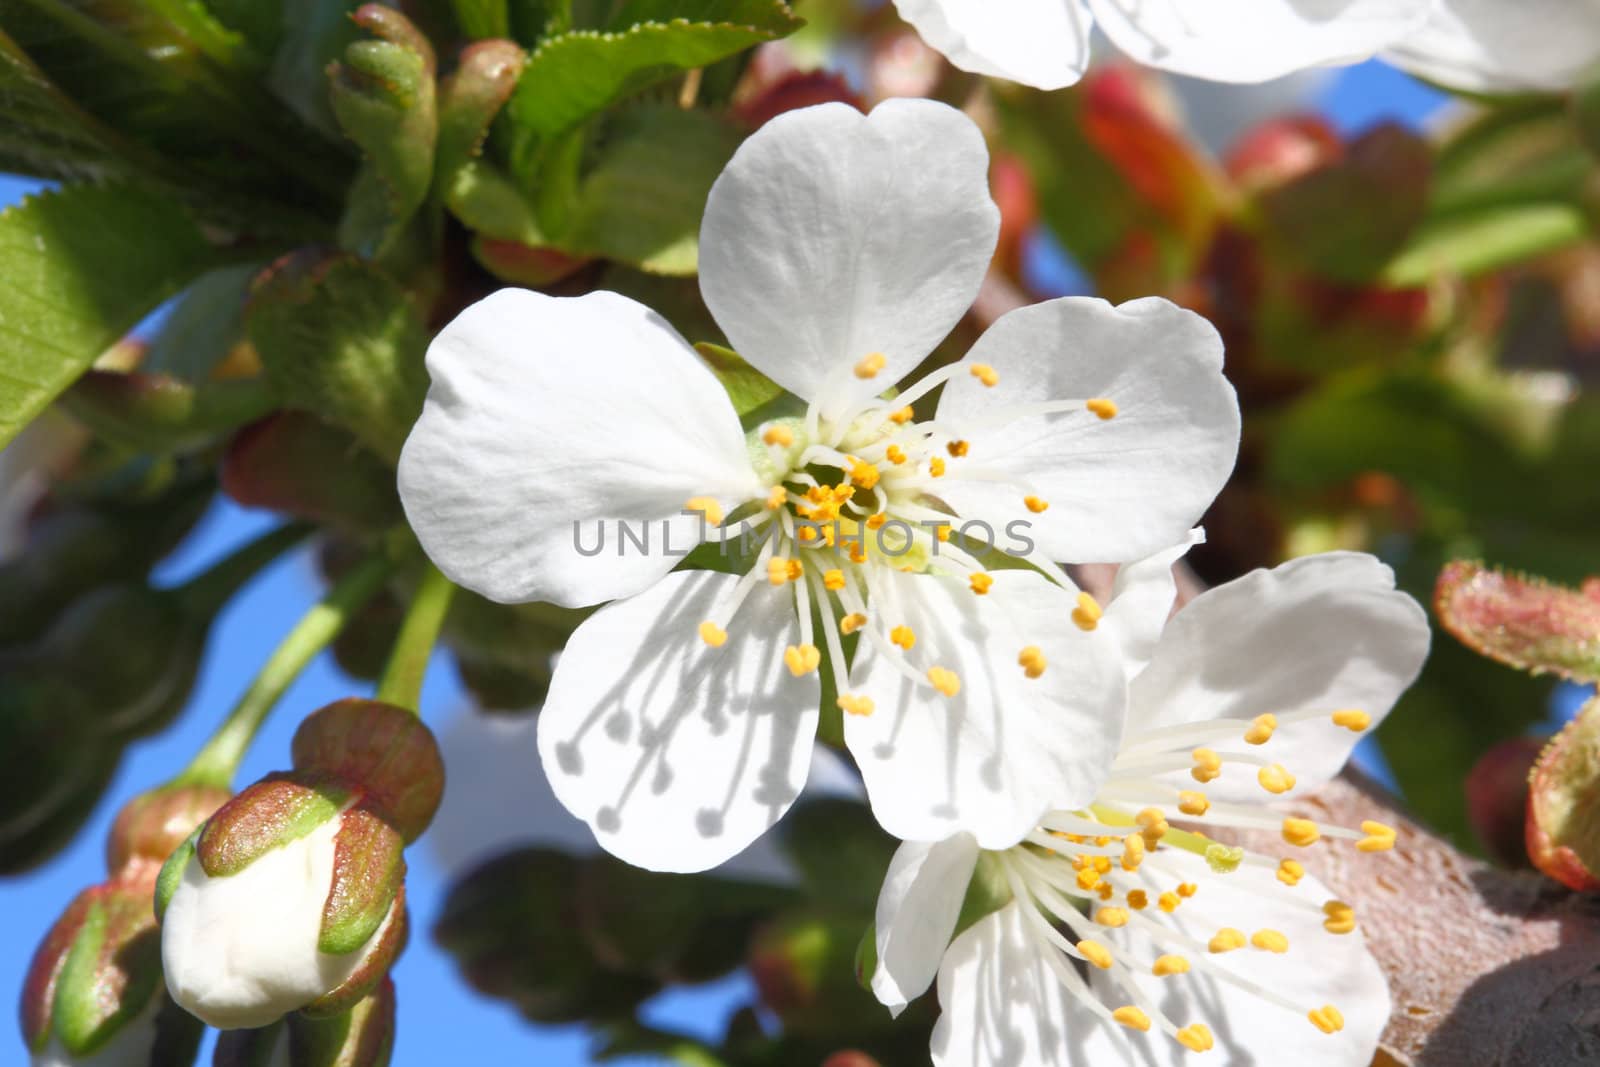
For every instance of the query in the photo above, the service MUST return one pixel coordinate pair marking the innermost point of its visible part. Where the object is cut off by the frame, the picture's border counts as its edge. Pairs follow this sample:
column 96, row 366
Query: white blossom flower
column 1128, row 939
column 1045, row 43
column 1493, row 46
column 837, row 250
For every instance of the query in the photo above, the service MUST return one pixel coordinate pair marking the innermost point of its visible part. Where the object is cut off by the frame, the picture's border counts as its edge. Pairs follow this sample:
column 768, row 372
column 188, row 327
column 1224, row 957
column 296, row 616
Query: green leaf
column 44, row 132
column 341, row 339
column 747, row 387
column 574, row 76
column 1484, row 241
column 82, row 267
column 482, row 18
column 641, row 202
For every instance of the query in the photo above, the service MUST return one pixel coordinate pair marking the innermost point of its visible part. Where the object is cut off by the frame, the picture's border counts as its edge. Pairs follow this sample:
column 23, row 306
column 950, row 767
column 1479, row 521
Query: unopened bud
column 804, row 965
column 1497, row 798
column 1563, row 837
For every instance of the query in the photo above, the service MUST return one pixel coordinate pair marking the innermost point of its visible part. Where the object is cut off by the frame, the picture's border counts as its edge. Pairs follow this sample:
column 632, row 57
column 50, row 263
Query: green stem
column 204, row 595
column 408, row 663
column 218, row 761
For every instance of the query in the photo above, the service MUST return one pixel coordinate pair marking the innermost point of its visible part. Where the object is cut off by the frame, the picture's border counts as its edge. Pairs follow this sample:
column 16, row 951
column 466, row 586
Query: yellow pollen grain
column 1168, row 902
column 1167, row 966
column 863, row 473
column 1301, row 833
column 712, row 634
column 1035, row 504
column 957, row 449
column 944, row 680
column 1327, row 1018
column 903, row 636
column 1138, row 899
column 855, row 705
column 1196, row 1038
column 980, row 583
column 801, row 659
column 1088, row 878
column 896, row 454
column 1193, row 803
column 777, row 436
column 876, row 521
column 1353, row 719
column 1290, row 872
column 1031, row 660
column 1187, row 889
column 1226, row 940
column 1086, row 616
column 852, row 622
column 902, row 416
column 936, row 467
column 1207, row 765
column 706, row 506
column 1104, row 407
column 1380, row 838
column 1341, row 917
column 833, row 580
column 985, row 374
column 1270, row 941
column 1113, row 917
column 1275, row 779
column 1095, row 953
column 870, row 365
column 1132, row 1018
column 777, row 496
column 1261, row 729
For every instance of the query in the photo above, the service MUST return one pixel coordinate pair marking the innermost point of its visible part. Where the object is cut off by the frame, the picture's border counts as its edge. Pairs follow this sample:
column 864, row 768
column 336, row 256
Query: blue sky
column 441, row 1021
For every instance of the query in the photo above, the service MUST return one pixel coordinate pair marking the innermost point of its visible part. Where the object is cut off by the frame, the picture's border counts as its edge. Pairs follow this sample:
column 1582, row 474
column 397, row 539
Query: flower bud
column 292, row 897
column 1563, row 838
column 1282, row 149
column 152, row 825
column 360, row 1037
column 1497, row 798
column 803, row 966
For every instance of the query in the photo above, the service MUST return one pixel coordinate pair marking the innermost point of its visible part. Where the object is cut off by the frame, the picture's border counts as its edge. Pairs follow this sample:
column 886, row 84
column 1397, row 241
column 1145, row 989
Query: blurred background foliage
column 307, row 190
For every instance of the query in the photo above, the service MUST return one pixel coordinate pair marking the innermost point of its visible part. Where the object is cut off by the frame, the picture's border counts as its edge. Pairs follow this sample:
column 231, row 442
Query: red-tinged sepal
column 368, row 869
column 361, row 1037
column 1522, row 621
column 380, row 955
column 381, row 750
column 152, row 825
column 1563, row 832
column 269, row 814
column 39, row 986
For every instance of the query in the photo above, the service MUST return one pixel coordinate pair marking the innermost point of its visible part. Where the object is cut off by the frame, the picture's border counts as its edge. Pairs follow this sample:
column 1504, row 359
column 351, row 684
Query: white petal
column 917, row 911
column 1042, row 43
column 241, row 950
column 1255, row 40
column 1495, row 46
column 551, row 418
column 832, row 235
column 1118, row 489
column 1319, row 968
column 133, row 1045
column 1006, row 748
column 1321, row 633
column 676, row 754
column 1142, row 596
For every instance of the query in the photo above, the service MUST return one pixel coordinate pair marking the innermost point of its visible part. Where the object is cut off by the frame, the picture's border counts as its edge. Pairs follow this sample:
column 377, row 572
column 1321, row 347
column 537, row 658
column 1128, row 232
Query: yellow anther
column 1167, row 966
column 863, row 473
column 1088, row 878
column 1095, row 953
column 794, row 570
column 1300, row 832
column 712, row 634
column 903, row 636
column 1341, row 917
column 1196, row 1038
column 1105, row 890
column 870, row 365
column 1226, row 940
column 936, row 467
column 985, row 374
column 1102, row 840
column 1035, row 504
column 1261, row 729
column 777, row 496
column 1031, row 660
column 801, row 659
column 1290, row 872
column 777, row 570
column 1104, row 407
column 1086, row 616
column 1380, row 838
column 833, row 579
column 1132, row 1018
column 777, row 436
column 706, row 506
column 1101, row 864
column 1168, row 902
column 1137, row 899
column 1275, row 779
column 1079, row 862
column 852, row 622
column 1193, row 803
column 1187, row 889
column 1113, row 917
column 896, row 454
column 942, row 532
column 902, row 415
column 980, row 582
column 944, row 680
column 1352, row 719
column 1207, row 765
column 1153, row 826
column 957, row 449
column 856, row 705
column 857, row 554
column 1327, row 1019
column 1132, row 852
column 1270, row 941
column 876, row 521
column 807, row 535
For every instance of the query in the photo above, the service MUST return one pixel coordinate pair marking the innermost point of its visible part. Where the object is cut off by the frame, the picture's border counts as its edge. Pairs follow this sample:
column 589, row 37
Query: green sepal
column 110, row 973
column 748, row 389
column 368, row 867
column 171, row 875
column 273, row 812
column 987, row 893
